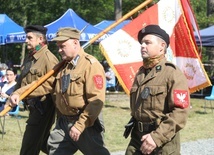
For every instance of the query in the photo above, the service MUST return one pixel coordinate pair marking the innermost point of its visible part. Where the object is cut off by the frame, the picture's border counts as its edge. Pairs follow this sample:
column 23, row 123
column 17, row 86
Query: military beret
column 36, row 28
column 155, row 30
column 66, row 33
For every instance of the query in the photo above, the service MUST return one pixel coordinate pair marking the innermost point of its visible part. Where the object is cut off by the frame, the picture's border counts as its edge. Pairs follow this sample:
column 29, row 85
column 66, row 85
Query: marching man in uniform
column 159, row 99
column 80, row 96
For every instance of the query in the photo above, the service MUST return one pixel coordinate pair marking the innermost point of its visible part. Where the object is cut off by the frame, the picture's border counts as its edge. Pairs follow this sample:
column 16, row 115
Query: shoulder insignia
column 158, row 68
column 170, row 64
column 98, row 81
column 91, row 59
column 181, row 99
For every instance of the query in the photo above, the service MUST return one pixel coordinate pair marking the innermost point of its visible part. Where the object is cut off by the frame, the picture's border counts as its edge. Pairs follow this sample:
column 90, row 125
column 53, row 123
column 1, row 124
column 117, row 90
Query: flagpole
column 35, row 85
column 129, row 14
column 54, row 70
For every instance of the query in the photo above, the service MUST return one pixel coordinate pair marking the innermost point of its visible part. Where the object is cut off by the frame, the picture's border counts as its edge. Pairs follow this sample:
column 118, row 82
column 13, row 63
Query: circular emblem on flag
column 169, row 14
column 189, row 71
column 124, row 48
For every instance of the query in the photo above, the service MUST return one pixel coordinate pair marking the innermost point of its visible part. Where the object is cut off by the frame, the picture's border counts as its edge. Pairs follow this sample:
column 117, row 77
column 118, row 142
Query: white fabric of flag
column 122, row 49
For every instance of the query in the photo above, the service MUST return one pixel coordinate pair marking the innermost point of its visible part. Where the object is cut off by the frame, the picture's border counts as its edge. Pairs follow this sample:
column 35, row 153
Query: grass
column 116, row 114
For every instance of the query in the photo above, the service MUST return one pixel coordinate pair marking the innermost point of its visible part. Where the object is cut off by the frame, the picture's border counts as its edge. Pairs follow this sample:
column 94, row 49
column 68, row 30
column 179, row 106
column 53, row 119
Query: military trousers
column 38, row 129
column 90, row 141
column 170, row 148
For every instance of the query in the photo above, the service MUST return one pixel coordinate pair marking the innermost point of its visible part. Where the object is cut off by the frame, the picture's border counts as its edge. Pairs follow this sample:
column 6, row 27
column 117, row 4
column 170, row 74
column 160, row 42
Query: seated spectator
column 3, row 68
column 6, row 88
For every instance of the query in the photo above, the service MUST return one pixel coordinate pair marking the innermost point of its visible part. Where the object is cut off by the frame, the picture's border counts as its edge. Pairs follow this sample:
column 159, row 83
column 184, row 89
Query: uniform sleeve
column 47, row 86
column 178, row 101
column 95, row 96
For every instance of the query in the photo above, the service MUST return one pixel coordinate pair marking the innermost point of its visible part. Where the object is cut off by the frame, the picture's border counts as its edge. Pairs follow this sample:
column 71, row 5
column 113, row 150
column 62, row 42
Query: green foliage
column 25, row 12
column 200, row 11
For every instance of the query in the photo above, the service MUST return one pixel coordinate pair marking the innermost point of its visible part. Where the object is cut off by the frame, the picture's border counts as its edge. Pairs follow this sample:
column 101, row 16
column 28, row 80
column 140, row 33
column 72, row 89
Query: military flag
column 122, row 50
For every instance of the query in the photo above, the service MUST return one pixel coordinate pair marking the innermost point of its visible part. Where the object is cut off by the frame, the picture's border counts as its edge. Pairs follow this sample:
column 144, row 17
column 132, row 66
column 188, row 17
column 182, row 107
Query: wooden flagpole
column 129, row 14
column 35, row 85
column 58, row 66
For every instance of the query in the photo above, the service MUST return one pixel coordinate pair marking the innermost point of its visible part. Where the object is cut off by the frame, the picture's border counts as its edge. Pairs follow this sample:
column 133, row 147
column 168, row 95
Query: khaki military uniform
column 80, row 95
column 85, row 90
column 159, row 102
column 42, row 108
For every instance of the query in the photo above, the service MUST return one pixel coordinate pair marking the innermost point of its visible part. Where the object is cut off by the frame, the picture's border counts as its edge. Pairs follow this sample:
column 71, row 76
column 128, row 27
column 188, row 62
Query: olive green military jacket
column 36, row 66
column 79, row 89
column 163, row 97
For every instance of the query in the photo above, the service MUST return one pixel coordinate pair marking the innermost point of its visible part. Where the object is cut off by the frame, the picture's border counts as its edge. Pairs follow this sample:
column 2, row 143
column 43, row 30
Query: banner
column 122, row 50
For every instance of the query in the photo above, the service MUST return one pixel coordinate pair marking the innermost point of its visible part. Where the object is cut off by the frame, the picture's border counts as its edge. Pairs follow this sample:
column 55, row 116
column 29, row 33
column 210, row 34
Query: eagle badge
column 181, row 98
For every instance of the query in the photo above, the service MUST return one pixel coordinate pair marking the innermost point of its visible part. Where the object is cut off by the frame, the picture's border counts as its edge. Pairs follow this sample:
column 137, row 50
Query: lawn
column 116, row 114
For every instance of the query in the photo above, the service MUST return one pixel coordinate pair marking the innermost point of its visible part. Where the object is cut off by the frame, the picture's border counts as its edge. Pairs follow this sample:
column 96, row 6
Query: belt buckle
column 140, row 126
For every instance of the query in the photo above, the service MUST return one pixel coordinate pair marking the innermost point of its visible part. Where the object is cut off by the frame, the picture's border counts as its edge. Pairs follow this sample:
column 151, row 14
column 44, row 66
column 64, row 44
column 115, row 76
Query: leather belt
column 145, row 127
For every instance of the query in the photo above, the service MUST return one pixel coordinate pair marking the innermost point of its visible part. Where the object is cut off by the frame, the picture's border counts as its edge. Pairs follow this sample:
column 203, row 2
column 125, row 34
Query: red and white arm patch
column 181, row 98
column 98, row 81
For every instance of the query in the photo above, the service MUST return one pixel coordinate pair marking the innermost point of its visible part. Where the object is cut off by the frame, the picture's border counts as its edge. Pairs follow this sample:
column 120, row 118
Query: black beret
column 35, row 28
column 155, row 30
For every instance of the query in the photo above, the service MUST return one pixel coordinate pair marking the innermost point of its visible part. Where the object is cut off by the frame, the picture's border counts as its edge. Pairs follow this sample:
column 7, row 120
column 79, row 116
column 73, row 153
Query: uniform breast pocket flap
column 36, row 71
column 75, row 77
column 157, row 90
column 76, row 84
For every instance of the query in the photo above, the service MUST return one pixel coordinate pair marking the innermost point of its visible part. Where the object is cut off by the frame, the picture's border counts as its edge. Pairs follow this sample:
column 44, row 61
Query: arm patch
column 181, row 99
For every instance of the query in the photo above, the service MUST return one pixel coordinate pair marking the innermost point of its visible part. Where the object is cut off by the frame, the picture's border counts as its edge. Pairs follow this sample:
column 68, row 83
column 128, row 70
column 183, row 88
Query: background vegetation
column 26, row 12
column 116, row 114
column 116, row 111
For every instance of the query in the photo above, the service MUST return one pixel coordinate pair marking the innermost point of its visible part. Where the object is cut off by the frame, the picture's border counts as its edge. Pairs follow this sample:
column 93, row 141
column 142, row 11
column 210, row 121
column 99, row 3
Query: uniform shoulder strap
column 90, row 58
column 170, row 64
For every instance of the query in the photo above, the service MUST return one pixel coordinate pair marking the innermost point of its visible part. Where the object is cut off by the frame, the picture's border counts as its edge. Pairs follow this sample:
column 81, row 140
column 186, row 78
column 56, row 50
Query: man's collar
column 39, row 53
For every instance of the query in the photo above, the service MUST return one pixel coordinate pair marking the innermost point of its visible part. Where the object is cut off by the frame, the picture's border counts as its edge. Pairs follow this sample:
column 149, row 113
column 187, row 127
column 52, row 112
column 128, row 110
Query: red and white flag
column 122, row 49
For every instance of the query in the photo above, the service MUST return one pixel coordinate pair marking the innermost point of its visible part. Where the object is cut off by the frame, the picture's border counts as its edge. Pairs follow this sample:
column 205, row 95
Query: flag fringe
column 119, row 78
column 208, row 83
column 199, row 87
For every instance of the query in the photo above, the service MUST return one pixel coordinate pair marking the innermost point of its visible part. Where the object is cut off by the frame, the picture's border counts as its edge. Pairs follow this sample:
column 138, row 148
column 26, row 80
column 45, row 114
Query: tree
column 25, row 12
column 200, row 10
column 118, row 9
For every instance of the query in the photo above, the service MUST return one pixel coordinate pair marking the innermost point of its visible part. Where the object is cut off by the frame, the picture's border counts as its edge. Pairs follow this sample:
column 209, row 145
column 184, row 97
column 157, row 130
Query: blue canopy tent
column 68, row 19
column 7, row 26
column 105, row 23
column 207, row 37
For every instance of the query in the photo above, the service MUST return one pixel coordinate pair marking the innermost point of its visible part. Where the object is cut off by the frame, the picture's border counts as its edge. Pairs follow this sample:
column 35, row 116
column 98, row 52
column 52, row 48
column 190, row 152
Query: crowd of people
column 159, row 97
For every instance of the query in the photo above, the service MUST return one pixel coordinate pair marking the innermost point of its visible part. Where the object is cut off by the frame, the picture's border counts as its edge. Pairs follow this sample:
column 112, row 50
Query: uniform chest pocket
column 157, row 90
column 76, row 84
column 133, row 96
column 33, row 75
column 158, row 95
